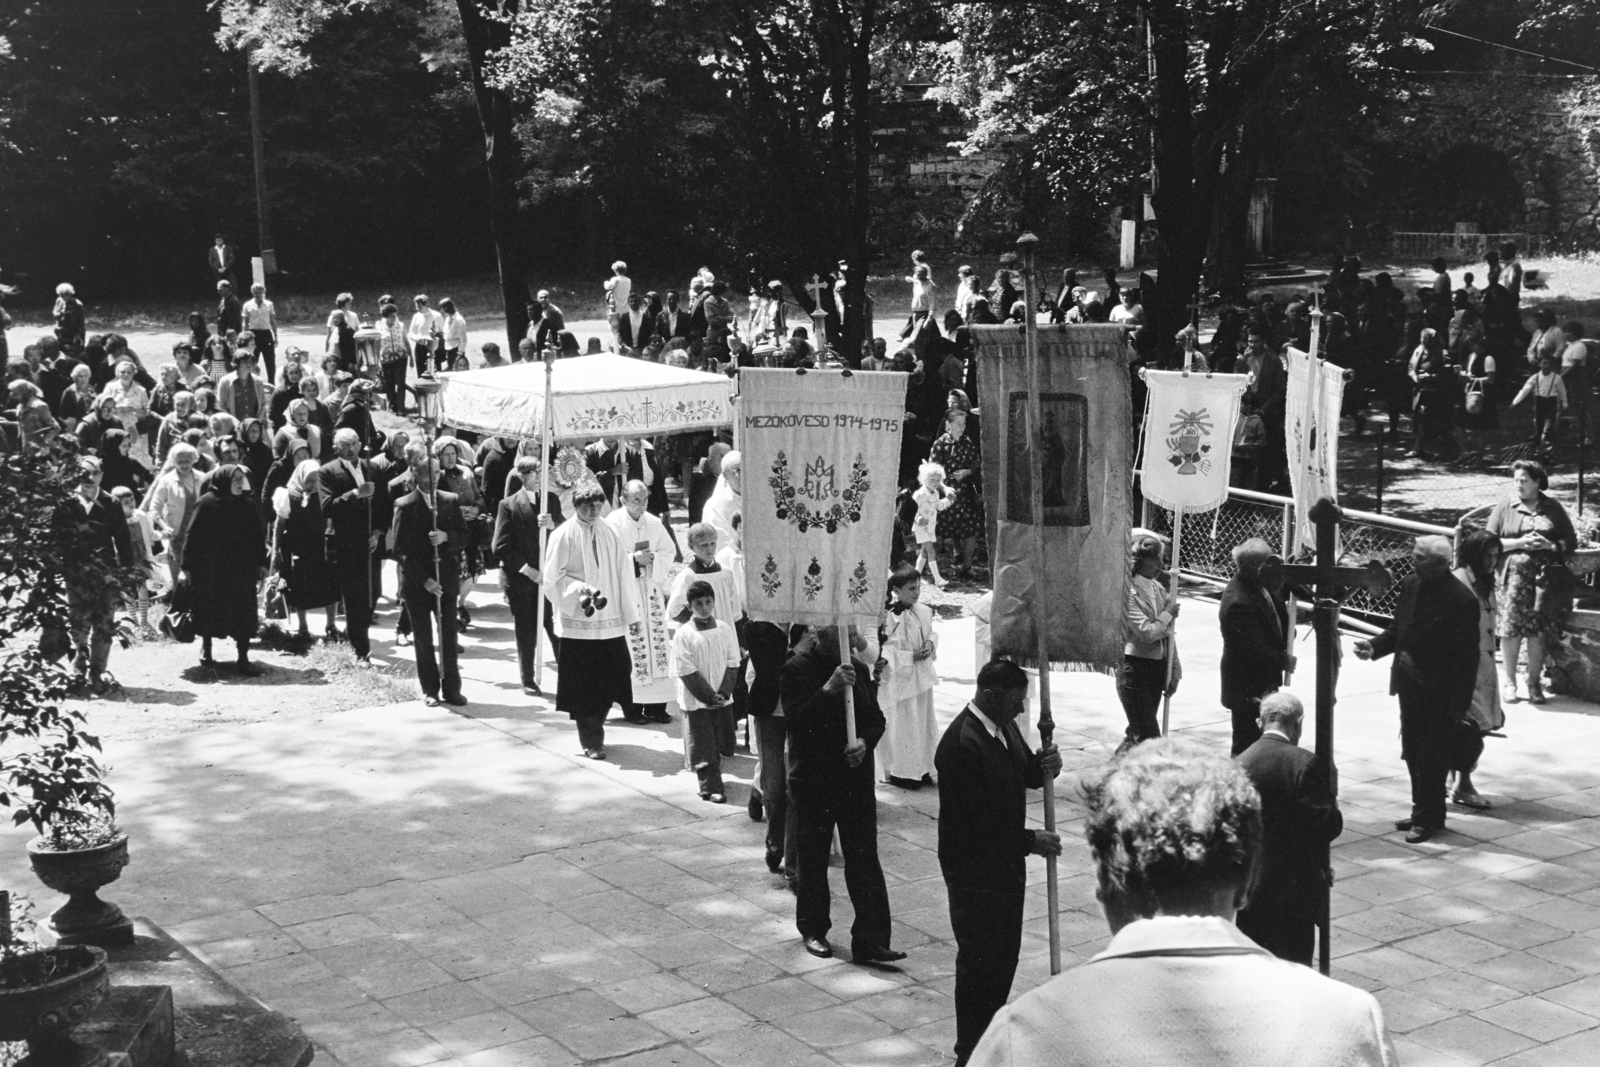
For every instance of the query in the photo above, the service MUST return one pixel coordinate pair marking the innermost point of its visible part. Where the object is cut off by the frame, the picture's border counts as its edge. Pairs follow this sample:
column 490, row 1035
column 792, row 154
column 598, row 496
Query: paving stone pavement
column 417, row 886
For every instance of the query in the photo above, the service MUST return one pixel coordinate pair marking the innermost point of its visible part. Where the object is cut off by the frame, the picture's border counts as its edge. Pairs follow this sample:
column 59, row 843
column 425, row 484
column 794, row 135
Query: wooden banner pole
column 544, row 495
column 1047, row 723
column 849, row 694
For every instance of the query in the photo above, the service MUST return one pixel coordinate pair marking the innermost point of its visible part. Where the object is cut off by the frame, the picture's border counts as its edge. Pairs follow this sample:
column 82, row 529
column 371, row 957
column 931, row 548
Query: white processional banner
column 821, row 456
column 1311, row 436
column 1188, row 438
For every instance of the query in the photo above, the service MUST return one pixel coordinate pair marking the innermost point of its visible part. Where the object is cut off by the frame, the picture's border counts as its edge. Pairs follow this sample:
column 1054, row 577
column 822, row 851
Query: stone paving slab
column 417, row 886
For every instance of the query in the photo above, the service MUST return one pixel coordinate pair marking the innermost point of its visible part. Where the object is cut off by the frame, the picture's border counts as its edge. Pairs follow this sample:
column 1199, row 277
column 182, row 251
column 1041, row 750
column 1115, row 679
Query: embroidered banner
column 1086, row 444
column 1311, row 436
column 1188, row 438
column 821, row 452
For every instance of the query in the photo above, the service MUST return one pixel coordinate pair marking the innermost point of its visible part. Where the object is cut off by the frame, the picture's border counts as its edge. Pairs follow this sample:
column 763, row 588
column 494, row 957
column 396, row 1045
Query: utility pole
column 269, row 258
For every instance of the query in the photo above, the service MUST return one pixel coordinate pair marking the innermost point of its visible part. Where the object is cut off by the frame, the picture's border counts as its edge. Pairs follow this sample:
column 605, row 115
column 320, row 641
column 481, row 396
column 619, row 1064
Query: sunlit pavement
column 422, row 886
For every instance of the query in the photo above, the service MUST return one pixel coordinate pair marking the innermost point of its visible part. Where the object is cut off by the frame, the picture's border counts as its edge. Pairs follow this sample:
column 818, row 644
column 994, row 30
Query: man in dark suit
column 1255, row 653
column 516, row 547
column 426, row 534
column 1299, row 817
column 100, row 528
column 1434, row 638
column 673, row 322
column 635, row 326
column 985, row 771
column 346, row 485
column 831, row 784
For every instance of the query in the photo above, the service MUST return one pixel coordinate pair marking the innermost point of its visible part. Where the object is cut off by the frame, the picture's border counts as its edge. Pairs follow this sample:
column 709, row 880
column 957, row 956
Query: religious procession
column 715, row 522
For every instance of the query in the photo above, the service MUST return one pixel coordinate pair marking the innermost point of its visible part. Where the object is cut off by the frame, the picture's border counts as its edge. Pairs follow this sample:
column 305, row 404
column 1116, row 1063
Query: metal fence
column 1470, row 246
column 1210, row 537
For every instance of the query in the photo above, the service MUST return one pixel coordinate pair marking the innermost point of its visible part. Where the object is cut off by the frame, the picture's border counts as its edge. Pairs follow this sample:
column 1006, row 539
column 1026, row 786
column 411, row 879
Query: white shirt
column 355, row 472
column 708, row 653
column 988, row 724
column 1575, row 354
column 424, row 324
column 455, row 332
column 618, row 288
column 259, row 316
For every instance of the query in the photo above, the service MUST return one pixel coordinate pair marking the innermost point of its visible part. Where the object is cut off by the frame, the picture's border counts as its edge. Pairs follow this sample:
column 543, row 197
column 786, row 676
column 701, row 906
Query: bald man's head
column 635, row 497
column 1430, row 556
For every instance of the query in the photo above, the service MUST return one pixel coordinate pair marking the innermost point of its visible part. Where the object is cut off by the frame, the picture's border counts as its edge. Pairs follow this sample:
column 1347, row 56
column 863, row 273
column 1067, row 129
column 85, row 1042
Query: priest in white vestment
column 645, row 538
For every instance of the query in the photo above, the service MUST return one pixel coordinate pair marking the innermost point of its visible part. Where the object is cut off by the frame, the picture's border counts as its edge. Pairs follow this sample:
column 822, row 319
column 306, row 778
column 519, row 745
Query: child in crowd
column 931, row 498
column 911, row 734
column 703, row 649
column 729, row 596
column 141, row 531
column 1549, row 394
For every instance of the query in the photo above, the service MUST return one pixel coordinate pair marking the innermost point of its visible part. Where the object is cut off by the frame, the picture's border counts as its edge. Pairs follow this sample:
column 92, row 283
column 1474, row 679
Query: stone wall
column 923, row 185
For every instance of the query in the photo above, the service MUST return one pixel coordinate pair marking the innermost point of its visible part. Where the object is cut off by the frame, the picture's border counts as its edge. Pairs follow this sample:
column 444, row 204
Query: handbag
column 1554, row 588
column 276, row 606
column 178, row 622
column 1474, row 399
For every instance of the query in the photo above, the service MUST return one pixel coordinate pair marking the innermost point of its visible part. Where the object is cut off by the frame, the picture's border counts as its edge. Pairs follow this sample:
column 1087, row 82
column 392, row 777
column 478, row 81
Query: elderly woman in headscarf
column 225, row 557
column 301, row 426
column 1149, row 613
column 118, row 466
column 308, row 577
column 101, row 418
column 255, row 452
column 456, row 476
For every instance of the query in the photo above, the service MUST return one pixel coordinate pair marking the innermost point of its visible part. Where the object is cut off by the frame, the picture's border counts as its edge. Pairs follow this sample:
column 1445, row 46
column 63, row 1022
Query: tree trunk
column 504, row 162
column 857, row 326
column 1237, row 184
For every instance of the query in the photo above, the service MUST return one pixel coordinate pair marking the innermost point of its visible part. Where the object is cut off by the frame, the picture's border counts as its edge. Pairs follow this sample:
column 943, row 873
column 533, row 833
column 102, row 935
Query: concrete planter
column 84, row 919
column 43, row 1014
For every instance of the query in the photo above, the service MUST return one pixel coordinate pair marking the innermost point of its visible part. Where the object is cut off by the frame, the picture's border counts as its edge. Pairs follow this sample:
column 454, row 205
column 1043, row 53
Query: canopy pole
column 1047, row 723
column 849, row 694
column 1172, row 640
column 549, row 357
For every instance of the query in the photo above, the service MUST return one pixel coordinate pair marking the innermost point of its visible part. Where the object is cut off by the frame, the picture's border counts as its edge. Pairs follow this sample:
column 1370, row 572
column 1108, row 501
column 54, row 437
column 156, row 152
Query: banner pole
column 549, row 358
column 1047, row 723
column 1172, row 640
column 849, row 694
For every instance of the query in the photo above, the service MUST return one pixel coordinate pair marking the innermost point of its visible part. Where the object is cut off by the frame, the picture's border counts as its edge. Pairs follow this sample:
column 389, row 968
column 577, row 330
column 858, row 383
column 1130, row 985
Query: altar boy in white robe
column 646, row 539
column 703, row 566
column 911, row 733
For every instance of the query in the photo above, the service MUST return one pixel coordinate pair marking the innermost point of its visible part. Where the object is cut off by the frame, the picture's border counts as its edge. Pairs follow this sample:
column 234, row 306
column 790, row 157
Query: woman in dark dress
column 226, row 554
column 98, row 422
column 958, row 454
column 310, row 579
column 255, row 454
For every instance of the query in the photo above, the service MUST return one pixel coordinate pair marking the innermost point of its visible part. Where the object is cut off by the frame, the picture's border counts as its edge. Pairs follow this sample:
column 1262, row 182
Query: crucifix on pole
column 1330, row 585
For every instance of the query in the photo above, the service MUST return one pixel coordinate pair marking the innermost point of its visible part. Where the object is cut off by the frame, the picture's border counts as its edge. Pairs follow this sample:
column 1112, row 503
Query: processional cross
column 1330, row 584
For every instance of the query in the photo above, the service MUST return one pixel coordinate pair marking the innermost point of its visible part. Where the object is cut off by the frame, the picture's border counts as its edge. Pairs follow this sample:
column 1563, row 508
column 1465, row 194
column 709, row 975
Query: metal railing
column 1209, row 539
column 1473, row 246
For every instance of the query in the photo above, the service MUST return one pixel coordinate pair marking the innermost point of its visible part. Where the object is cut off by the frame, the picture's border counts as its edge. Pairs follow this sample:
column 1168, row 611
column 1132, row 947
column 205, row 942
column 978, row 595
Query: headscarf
column 111, row 445
column 221, row 483
column 298, row 481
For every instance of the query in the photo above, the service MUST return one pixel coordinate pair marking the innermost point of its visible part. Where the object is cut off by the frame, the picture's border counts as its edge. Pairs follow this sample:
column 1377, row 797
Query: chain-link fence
column 1209, row 539
column 1472, row 246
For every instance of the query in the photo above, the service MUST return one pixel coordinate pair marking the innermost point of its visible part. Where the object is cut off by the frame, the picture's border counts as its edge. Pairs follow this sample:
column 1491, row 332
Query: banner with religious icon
column 821, row 450
column 1311, row 435
column 1085, row 443
column 1188, row 438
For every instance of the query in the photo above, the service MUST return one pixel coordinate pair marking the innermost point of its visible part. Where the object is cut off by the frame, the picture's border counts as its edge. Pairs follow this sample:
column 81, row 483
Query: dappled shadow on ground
column 144, row 695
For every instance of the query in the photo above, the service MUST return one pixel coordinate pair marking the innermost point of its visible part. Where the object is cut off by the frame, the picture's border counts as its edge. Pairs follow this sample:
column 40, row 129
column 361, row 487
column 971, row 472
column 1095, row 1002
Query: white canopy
column 591, row 396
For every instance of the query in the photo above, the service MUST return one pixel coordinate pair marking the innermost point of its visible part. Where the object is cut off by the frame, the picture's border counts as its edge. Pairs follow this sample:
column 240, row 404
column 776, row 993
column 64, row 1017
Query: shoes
column 927, row 779
column 1470, row 800
column 774, row 860
column 662, row 716
column 1535, row 693
column 911, row 784
column 595, row 753
column 305, row 635
column 248, row 669
column 715, row 798
column 1508, row 695
column 753, row 806
column 532, row 691
column 430, row 701
column 332, row 635
column 207, row 661
column 819, row 947
column 103, row 684
column 876, row 956
column 1402, row 824
column 634, row 717
column 463, row 617
column 401, row 640
column 457, row 701
column 1420, row 834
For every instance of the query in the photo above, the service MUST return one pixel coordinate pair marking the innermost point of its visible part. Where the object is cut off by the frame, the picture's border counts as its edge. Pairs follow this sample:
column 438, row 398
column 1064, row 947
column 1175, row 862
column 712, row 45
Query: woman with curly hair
column 958, row 455
column 1536, row 537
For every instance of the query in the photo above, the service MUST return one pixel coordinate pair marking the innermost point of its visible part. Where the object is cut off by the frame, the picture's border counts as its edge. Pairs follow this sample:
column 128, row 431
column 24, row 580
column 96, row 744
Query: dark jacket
column 1299, row 815
column 350, row 516
column 410, row 545
column 355, row 416
column 1254, row 653
column 225, row 549
column 815, row 719
column 983, row 804
column 103, row 526
column 647, row 328
column 516, row 538
column 1434, row 639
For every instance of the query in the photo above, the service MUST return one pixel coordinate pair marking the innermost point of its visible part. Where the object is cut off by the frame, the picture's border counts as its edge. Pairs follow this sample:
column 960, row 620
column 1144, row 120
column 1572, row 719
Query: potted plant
column 50, row 581
column 46, row 991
